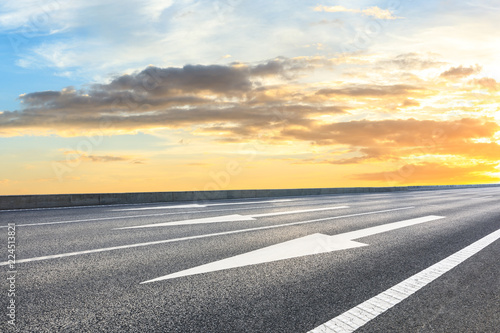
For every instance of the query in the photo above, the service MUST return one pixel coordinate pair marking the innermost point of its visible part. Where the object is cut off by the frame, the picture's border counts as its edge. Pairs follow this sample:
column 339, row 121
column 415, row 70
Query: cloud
column 382, row 14
column 433, row 173
column 376, row 12
column 105, row 158
column 193, row 95
column 413, row 61
column 370, row 90
column 190, row 78
column 394, row 139
column 409, row 103
column 334, row 9
column 272, row 67
column 486, row 82
column 403, row 132
column 86, row 38
column 460, row 72
column 271, row 103
column 75, row 156
column 164, row 86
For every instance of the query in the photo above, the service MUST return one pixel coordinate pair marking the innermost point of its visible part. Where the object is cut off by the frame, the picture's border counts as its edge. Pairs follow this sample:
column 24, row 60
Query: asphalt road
column 90, row 269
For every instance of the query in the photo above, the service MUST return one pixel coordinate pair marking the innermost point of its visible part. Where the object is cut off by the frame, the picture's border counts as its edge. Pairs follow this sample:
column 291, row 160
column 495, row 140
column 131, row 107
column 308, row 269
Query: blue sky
column 48, row 45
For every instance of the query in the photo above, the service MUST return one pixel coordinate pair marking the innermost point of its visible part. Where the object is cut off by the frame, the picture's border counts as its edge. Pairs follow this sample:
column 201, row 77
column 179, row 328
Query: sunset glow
column 194, row 95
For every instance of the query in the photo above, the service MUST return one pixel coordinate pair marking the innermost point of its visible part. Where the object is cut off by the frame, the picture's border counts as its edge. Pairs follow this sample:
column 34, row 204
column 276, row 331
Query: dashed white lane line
column 161, row 207
column 62, row 255
column 127, row 204
column 205, row 205
column 361, row 314
column 227, row 218
column 87, row 220
column 129, row 217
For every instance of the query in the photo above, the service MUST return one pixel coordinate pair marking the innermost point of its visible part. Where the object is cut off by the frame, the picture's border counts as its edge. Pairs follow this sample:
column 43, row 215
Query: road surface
column 420, row 261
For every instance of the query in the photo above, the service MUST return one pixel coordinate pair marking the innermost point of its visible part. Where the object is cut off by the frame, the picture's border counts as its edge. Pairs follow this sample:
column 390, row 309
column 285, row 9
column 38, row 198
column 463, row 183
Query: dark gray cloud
column 153, row 86
column 171, row 98
column 190, row 78
column 272, row 67
column 243, row 117
column 42, row 97
column 286, row 67
column 157, row 87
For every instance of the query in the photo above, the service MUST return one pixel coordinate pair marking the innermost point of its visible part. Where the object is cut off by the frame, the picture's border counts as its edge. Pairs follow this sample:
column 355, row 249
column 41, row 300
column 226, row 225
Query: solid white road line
column 206, row 205
column 227, row 218
column 62, row 255
column 358, row 316
column 70, row 207
column 299, row 247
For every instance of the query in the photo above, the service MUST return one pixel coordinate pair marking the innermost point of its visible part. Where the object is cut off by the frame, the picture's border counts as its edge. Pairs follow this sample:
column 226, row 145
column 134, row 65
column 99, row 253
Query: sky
column 156, row 95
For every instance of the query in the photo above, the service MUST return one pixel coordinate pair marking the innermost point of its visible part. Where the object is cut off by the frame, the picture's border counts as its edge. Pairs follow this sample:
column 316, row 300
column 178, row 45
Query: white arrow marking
column 312, row 244
column 227, row 218
column 232, row 232
column 215, row 219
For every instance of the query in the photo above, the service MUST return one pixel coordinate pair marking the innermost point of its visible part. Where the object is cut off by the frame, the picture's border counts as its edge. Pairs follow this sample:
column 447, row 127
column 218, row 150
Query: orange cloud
column 394, row 139
column 486, row 82
column 399, row 132
column 409, row 102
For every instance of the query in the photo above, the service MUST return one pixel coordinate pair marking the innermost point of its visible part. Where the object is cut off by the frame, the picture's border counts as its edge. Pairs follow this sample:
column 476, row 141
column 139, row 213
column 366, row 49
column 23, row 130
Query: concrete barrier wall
column 69, row 200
